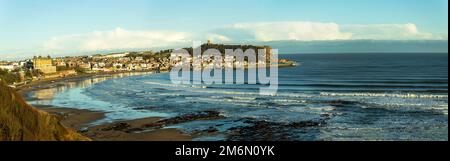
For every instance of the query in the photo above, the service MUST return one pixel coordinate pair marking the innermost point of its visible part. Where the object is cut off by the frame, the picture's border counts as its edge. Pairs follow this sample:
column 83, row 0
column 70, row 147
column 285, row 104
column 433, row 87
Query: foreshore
column 81, row 120
column 49, row 81
column 146, row 129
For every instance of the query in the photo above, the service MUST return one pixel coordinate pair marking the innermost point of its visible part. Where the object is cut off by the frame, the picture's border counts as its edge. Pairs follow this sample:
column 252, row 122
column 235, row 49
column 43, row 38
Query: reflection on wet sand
column 48, row 92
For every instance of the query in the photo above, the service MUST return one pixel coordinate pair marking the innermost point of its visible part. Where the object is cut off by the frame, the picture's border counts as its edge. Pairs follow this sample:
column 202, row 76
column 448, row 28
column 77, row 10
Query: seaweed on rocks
column 205, row 115
column 272, row 131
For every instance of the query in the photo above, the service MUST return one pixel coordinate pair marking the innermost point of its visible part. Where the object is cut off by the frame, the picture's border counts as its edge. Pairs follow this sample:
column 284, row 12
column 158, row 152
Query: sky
column 76, row 26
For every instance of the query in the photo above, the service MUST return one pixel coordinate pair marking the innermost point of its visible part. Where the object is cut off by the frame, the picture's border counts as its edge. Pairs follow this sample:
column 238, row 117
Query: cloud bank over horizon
column 123, row 39
column 120, row 38
column 318, row 31
column 115, row 39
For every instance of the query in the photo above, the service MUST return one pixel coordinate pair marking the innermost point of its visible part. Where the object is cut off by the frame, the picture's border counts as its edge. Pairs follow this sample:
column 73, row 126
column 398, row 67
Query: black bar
column 282, row 150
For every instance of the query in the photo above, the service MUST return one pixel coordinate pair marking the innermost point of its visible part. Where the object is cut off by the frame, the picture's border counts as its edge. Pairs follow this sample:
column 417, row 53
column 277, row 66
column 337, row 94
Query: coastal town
column 18, row 73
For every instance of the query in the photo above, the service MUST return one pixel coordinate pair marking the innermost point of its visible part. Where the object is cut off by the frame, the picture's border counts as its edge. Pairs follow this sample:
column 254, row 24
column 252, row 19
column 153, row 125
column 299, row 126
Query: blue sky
column 45, row 25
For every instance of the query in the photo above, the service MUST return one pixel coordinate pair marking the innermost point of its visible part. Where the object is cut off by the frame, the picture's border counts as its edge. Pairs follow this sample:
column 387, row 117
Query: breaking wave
column 408, row 95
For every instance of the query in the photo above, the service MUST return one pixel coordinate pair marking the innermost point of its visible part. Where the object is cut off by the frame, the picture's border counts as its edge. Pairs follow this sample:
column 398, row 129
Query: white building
column 118, row 65
column 9, row 66
column 144, row 66
column 101, row 65
column 117, row 55
column 124, row 59
column 139, row 58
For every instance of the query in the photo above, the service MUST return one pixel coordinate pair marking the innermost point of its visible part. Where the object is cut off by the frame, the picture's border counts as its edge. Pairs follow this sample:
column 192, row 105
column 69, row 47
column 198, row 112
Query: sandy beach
column 81, row 120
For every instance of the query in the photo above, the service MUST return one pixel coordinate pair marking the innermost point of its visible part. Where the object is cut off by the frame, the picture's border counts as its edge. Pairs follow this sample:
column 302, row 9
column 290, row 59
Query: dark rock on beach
column 141, row 125
column 271, row 131
column 117, row 127
column 205, row 115
column 145, row 108
column 341, row 103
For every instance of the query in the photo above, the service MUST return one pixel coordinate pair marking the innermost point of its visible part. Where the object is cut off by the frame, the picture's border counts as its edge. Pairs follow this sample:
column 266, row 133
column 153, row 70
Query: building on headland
column 45, row 65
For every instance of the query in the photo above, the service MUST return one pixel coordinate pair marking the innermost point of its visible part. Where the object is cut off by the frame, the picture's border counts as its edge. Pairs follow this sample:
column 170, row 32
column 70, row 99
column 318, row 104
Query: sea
column 364, row 96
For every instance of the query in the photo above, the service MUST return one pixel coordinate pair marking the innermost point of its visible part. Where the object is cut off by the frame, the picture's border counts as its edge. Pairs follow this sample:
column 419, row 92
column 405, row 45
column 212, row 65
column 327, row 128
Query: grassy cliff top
column 22, row 122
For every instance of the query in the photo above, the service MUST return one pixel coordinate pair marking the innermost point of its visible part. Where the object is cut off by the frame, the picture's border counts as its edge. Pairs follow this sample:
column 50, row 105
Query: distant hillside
column 22, row 122
column 337, row 46
column 359, row 46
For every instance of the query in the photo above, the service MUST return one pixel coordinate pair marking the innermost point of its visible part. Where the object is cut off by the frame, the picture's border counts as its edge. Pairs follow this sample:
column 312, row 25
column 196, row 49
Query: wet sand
column 81, row 120
column 133, row 131
column 47, row 83
column 51, row 82
column 155, row 129
column 73, row 118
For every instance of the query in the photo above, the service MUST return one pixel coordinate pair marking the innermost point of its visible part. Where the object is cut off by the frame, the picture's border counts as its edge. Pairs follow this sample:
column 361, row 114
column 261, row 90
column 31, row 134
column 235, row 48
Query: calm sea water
column 369, row 96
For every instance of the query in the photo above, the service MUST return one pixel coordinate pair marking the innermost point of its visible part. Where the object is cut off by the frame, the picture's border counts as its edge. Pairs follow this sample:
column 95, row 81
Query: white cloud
column 236, row 33
column 311, row 31
column 273, row 31
column 389, row 32
column 217, row 38
column 115, row 39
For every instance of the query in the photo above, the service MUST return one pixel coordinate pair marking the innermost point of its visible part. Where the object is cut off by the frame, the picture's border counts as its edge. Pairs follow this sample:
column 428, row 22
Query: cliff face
column 22, row 122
